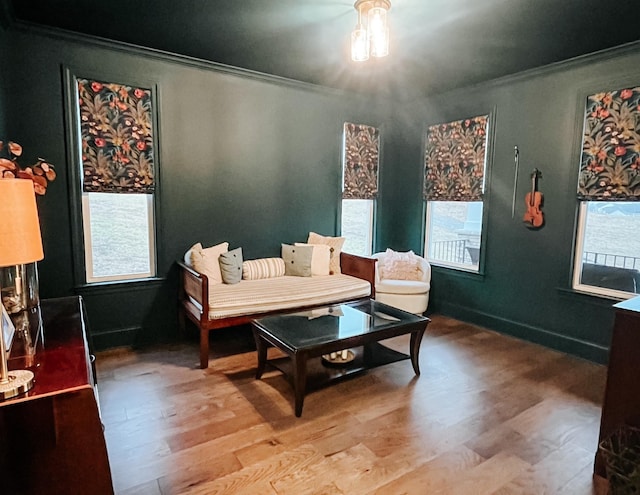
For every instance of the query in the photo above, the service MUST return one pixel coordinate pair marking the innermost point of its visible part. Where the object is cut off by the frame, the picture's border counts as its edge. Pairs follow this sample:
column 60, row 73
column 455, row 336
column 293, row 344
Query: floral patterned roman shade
column 117, row 137
column 610, row 162
column 361, row 157
column 455, row 160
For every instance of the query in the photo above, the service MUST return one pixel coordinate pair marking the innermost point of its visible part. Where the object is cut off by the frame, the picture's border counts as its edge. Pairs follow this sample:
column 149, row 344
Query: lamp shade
column 20, row 239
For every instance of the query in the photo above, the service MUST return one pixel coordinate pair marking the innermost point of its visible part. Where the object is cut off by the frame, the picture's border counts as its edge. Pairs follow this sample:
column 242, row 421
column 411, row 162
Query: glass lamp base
column 19, row 287
column 18, row 382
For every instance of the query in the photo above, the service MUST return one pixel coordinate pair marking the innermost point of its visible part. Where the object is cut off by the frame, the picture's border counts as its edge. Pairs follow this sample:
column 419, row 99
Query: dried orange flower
column 41, row 172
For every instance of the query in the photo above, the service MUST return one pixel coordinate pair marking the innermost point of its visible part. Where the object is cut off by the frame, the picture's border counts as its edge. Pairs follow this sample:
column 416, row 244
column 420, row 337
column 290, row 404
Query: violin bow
column 516, row 158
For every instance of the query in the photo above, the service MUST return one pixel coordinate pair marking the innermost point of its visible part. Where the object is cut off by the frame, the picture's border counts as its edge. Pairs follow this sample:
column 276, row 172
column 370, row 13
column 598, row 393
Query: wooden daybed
column 194, row 299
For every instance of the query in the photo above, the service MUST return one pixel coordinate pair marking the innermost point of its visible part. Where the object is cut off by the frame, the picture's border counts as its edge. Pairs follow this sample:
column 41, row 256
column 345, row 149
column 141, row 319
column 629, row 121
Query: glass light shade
column 380, row 44
column 377, row 22
column 359, row 44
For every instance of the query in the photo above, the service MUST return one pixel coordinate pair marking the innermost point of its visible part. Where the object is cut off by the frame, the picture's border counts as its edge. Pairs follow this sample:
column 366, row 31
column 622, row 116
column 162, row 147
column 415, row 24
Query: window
column 607, row 249
column 361, row 145
column 118, row 233
column 357, row 226
column 455, row 159
column 453, row 233
column 116, row 146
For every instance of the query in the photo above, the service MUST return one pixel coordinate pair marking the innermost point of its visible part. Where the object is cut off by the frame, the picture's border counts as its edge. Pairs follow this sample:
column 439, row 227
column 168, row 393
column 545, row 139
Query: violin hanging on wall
column 533, row 217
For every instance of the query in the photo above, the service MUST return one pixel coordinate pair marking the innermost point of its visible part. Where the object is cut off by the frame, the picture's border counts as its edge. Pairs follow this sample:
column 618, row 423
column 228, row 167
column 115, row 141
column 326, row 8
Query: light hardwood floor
column 489, row 415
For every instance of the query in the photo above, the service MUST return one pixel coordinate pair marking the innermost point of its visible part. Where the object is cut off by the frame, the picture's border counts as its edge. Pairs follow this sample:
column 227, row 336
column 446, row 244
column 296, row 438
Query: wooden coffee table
column 306, row 336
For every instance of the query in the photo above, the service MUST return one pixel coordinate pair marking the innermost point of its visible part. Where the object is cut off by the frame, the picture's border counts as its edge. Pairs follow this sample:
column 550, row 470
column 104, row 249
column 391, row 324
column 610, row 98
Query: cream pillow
column 400, row 266
column 335, row 244
column 320, row 259
column 205, row 260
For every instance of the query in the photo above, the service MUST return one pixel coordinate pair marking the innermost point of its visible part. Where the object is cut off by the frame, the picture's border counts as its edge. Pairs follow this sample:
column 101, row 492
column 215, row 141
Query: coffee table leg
column 261, row 347
column 414, row 350
column 299, row 380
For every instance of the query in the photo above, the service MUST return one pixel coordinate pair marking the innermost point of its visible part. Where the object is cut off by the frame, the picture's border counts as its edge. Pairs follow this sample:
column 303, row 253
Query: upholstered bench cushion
column 402, row 287
column 281, row 293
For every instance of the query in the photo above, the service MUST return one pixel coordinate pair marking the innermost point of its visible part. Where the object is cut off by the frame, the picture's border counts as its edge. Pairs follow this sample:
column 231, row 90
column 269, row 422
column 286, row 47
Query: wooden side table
column 51, row 437
column 621, row 404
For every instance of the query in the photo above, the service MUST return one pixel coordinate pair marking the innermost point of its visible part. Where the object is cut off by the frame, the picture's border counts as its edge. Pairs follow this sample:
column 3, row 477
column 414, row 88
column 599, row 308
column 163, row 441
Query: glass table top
column 334, row 323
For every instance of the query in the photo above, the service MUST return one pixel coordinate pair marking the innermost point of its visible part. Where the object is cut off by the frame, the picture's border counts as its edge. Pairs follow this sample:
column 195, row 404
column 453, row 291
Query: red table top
column 61, row 362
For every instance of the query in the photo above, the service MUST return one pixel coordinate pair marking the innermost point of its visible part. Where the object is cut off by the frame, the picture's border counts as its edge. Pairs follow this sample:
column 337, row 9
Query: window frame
column 88, row 247
column 486, row 196
column 579, row 238
column 452, row 265
column 574, row 268
column 374, row 201
column 371, row 223
column 73, row 155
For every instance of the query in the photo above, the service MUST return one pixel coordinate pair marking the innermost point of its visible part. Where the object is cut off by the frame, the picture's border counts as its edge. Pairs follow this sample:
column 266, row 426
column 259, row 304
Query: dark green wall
column 256, row 161
column 246, row 159
column 525, row 289
column 4, row 55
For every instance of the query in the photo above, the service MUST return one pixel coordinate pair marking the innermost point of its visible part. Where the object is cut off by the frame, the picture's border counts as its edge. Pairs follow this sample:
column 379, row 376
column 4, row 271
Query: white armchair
column 411, row 295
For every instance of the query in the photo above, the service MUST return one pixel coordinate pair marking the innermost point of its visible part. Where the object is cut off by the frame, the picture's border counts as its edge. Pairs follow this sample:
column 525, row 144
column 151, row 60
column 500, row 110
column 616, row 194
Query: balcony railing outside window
column 608, row 248
column 461, row 251
column 606, row 259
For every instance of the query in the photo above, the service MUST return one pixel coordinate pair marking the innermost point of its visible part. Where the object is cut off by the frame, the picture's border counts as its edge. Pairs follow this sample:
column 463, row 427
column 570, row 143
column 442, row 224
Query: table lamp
column 20, row 243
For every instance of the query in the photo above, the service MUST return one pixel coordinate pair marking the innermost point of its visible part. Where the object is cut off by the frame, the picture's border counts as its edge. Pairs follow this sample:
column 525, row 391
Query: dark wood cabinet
column 51, row 438
column 621, row 404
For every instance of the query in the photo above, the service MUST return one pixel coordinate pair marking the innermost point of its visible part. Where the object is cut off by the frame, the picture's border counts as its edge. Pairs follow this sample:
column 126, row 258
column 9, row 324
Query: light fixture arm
column 359, row 15
column 364, row 6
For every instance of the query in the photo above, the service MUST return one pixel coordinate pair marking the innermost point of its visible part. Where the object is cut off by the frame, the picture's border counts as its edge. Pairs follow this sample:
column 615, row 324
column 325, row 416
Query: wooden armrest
column 195, row 285
column 361, row 267
column 189, row 269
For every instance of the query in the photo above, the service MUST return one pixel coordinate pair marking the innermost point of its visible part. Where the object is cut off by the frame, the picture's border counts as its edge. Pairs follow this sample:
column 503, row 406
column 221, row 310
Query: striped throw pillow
column 263, row 268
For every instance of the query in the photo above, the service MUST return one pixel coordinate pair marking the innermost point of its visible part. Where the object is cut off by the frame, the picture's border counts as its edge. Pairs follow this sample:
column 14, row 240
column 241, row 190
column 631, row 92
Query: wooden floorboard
column 489, row 414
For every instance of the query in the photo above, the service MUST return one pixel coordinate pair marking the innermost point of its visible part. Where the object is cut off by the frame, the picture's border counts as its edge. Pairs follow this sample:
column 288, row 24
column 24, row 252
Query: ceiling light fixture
column 371, row 35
